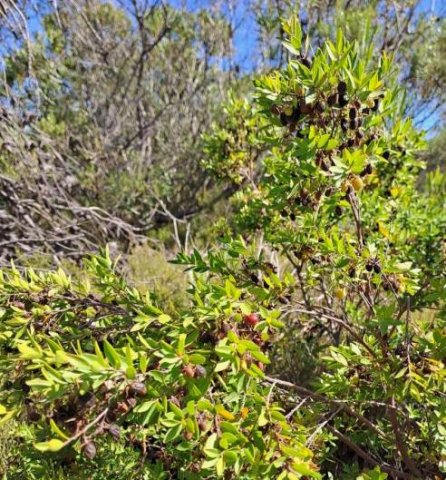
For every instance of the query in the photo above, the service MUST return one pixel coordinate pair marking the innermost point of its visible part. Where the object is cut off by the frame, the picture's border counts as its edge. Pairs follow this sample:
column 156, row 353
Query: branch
column 86, row 428
column 366, row 457
column 323, row 398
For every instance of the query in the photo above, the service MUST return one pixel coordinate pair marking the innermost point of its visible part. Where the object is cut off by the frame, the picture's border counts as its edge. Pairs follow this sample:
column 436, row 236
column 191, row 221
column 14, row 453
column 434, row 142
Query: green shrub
column 335, row 241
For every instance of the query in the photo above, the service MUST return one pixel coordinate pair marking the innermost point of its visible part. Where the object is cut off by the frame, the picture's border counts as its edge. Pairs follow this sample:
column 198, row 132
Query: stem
column 318, row 396
column 352, row 200
column 400, row 442
column 86, row 428
column 396, row 474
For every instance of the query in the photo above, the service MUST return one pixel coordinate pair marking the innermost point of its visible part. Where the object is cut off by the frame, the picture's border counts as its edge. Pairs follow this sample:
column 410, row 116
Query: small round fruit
column 200, row 371
column 138, row 389
column 340, row 293
column 342, row 87
column 89, row 450
column 357, row 183
column 122, row 407
column 189, row 371
column 202, row 424
column 252, row 319
column 114, row 431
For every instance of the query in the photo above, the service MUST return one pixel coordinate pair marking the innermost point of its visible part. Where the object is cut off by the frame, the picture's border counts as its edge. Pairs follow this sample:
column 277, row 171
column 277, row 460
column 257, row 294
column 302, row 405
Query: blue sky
column 246, row 34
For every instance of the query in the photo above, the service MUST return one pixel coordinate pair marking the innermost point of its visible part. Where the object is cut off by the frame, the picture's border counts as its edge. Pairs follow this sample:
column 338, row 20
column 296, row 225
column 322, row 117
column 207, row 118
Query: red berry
column 252, row 319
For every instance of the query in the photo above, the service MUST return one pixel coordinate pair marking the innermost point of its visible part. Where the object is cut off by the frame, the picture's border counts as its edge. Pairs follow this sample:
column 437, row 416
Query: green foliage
column 337, row 203
column 332, row 277
column 233, row 151
column 187, row 389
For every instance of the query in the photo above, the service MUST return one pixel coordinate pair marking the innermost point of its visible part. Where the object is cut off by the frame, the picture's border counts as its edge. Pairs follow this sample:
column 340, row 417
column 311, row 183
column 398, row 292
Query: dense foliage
column 311, row 340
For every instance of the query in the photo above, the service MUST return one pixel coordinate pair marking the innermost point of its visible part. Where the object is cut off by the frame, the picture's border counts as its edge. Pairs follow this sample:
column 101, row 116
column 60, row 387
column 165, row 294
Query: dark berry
column 342, row 87
column 333, row 99
column 137, row 389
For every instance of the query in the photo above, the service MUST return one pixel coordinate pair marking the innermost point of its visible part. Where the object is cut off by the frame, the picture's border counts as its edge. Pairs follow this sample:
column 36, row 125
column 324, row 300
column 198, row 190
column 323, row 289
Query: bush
column 336, row 242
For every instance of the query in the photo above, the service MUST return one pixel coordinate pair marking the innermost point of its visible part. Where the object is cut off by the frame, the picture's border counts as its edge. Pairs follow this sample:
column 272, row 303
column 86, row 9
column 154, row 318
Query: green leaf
column 112, row 355
column 173, row 433
column 53, row 445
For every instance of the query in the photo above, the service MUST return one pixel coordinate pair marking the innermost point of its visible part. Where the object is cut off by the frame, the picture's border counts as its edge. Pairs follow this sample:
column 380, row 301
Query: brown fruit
column 189, row 371
column 138, row 389
column 304, row 107
column 131, row 402
column 89, row 450
column 252, row 319
column 202, row 424
column 352, row 113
